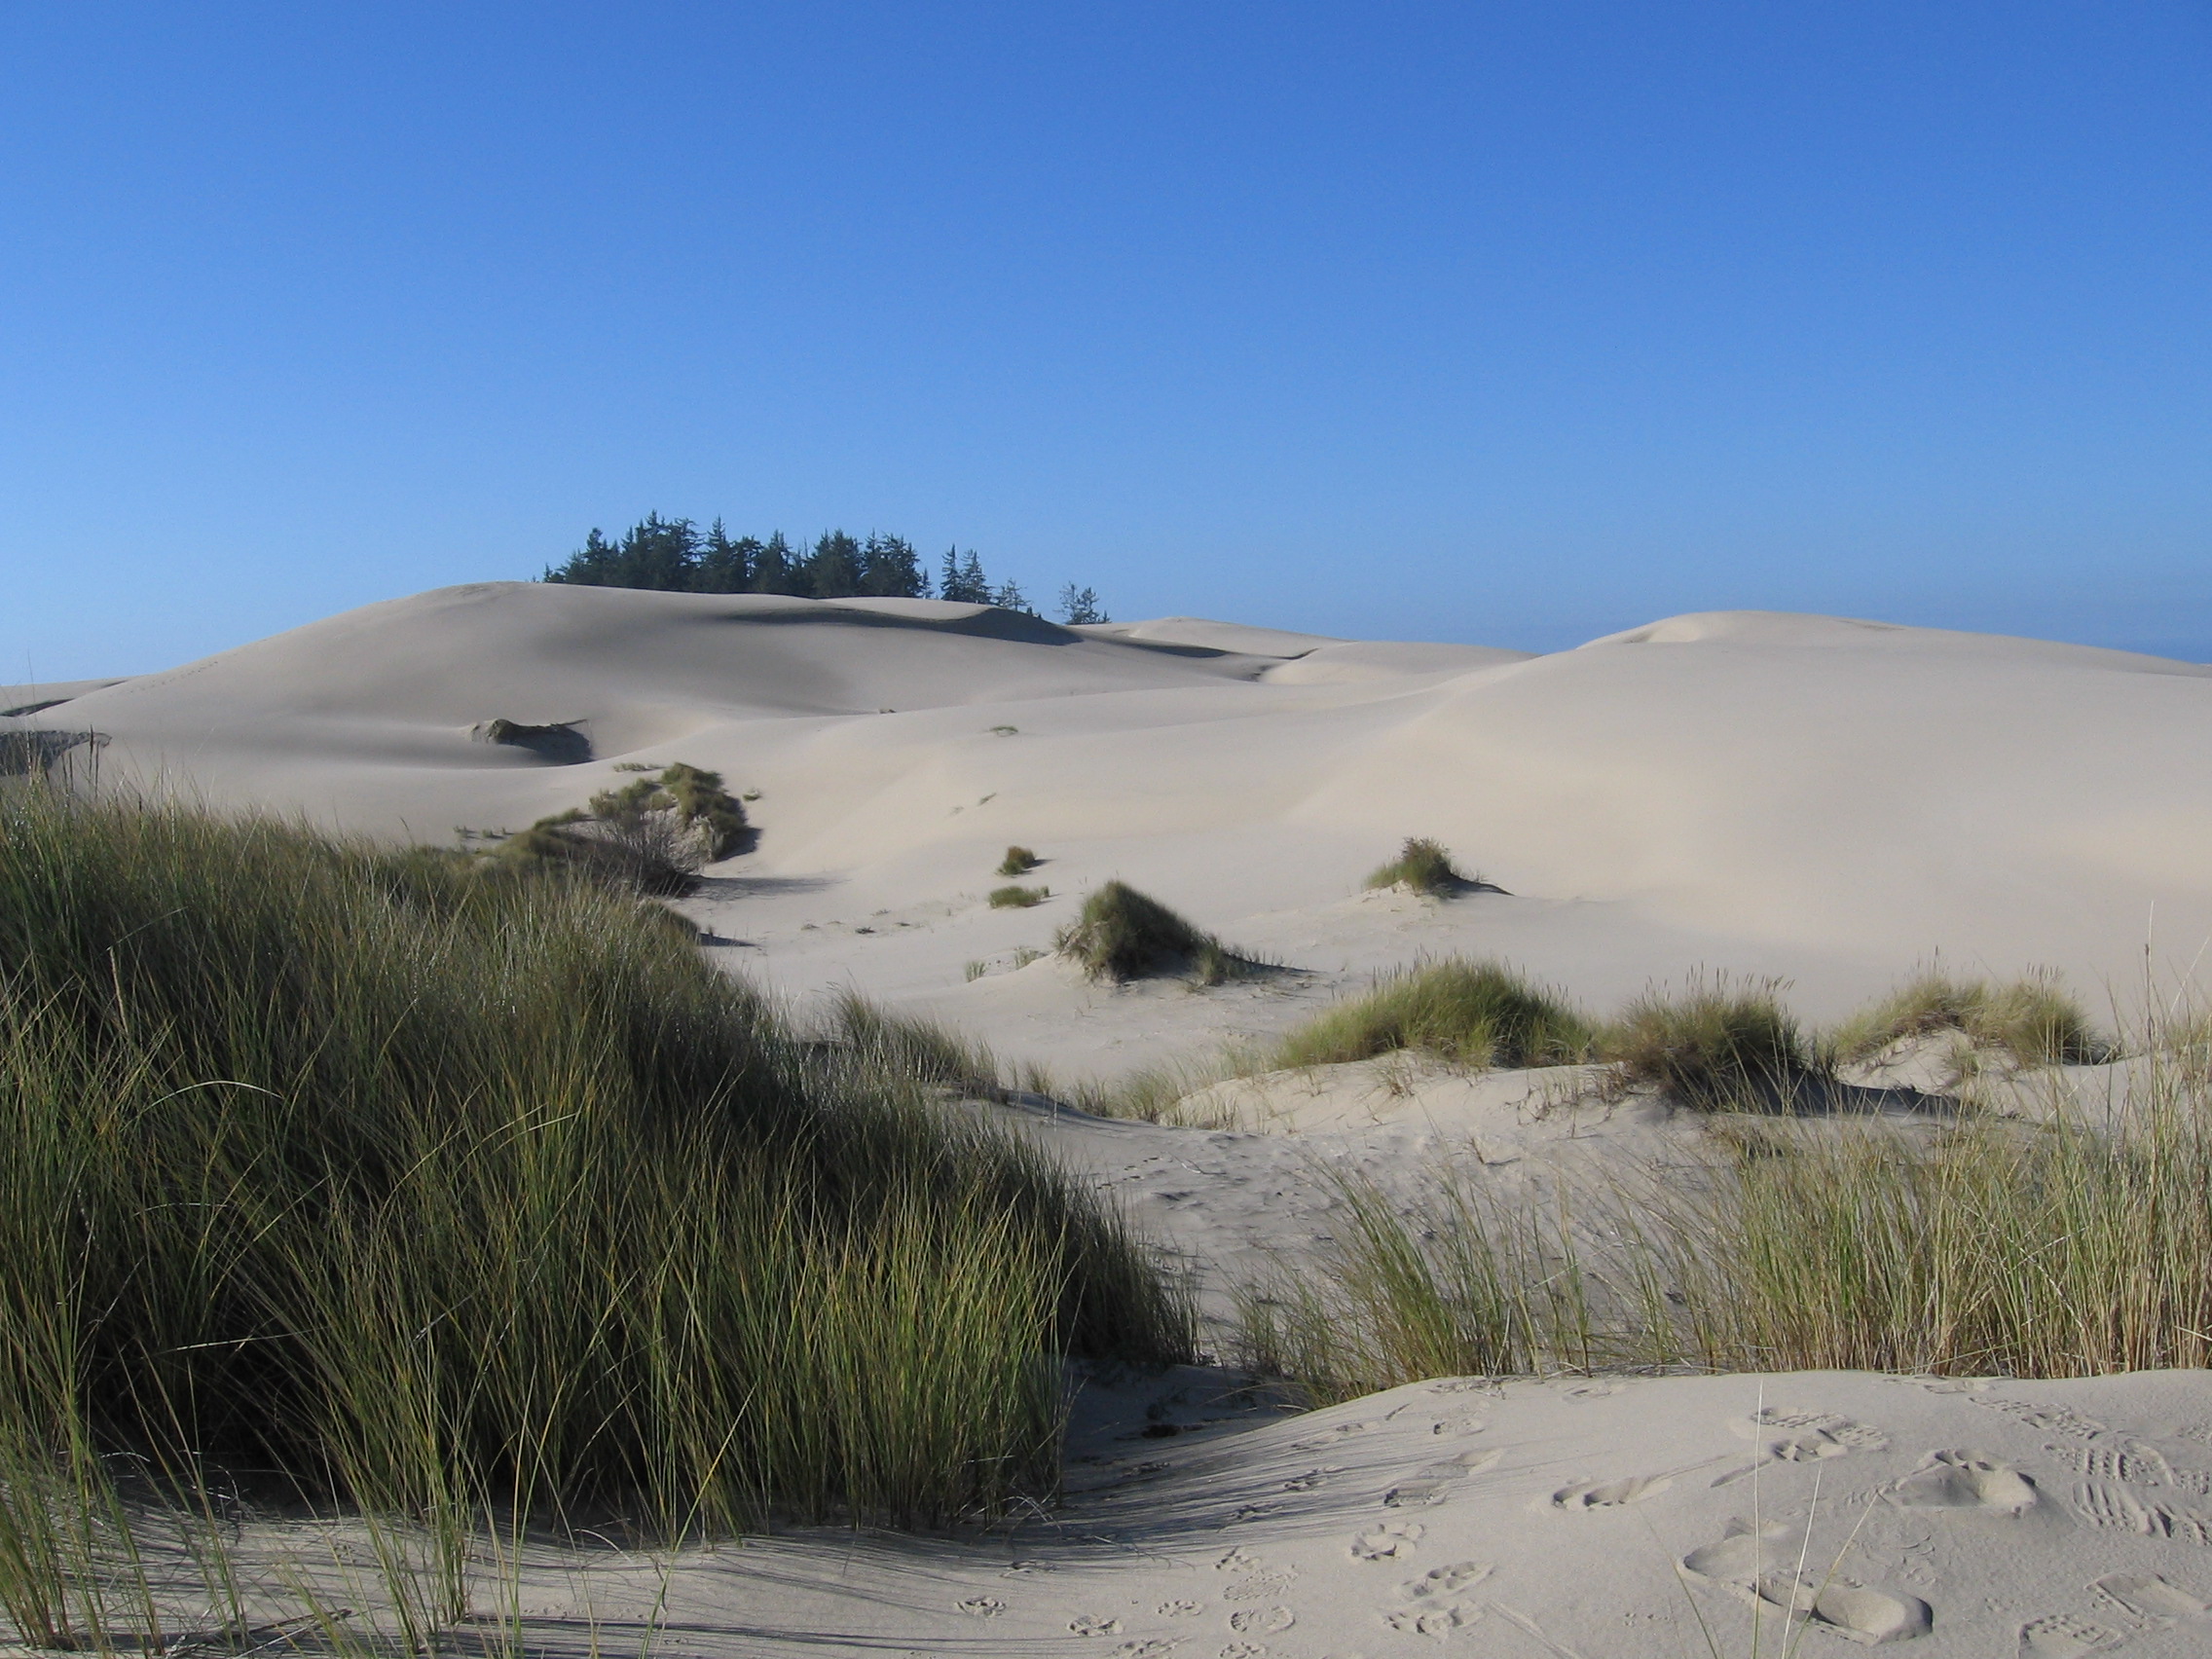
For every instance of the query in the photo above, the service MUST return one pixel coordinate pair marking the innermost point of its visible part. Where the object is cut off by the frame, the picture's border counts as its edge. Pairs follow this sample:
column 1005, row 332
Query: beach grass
column 1120, row 935
column 1715, row 1045
column 1018, row 861
column 1421, row 866
column 1016, row 896
column 424, row 1188
column 2034, row 1019
column 1471, row 1014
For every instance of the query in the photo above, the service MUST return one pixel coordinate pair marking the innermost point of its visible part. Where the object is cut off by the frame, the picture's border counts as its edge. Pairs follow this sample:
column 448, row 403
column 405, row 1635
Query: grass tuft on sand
column 1018, row 861
column 1472, row 1013
column 2032, row 1018
column 1016, row 896
column 1122, row 935
column 427, row 1187
column 1715, row 1046
column 1421, row 866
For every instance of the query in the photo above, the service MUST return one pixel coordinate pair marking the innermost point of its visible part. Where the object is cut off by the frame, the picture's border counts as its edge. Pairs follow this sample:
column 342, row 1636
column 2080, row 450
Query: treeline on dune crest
column 674, row 556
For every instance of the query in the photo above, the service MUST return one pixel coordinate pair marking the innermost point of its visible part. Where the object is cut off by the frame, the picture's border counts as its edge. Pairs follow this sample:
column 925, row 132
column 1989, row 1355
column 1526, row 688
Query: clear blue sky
column 1506, row 322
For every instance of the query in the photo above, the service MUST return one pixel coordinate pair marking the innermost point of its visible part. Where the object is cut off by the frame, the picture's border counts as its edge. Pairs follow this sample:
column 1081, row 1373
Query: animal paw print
column 1262, row 1621
column 1085, row 1624
column 1236, row 1561
column 983, row 1606
column 1446, row 1580
column 1436, row 1621
column 1181, row 1609
column 2059, row 1636
column 1392, row 1540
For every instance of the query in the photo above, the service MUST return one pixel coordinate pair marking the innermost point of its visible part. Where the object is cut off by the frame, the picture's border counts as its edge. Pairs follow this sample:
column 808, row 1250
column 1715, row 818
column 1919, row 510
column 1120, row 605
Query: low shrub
column 1423, row 867
column 1121, row 934
column 1474, row 1014
column 650, row 837
column 1715, row 1046
column 1018, row 861
column 2033, row 1018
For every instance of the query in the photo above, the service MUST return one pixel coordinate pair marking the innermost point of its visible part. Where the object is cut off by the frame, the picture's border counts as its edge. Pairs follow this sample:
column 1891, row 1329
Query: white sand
column 1829, row 801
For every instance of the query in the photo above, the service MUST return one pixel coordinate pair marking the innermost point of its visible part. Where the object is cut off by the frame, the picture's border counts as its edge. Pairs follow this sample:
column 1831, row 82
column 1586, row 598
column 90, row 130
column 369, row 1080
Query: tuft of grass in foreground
column 1421, row 866
column 1473, row 1013
column 2034, row 1019
column 1121, row 934
column 1016, row 896
column 1993, row 1249
column 429, row 1187
column 1018, row 861
column 1715, row 1046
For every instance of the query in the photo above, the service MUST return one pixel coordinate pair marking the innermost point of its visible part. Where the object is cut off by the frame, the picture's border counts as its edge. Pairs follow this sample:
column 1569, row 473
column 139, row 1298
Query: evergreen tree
column 1079, row 605
column 724, row 565
column 833, row 568
column 776, row 568
column 891, row 569
column 1009, row 597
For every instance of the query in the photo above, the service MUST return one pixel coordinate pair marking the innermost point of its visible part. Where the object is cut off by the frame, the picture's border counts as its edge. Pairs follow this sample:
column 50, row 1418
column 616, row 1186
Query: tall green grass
column 1715, row 1046
column 429, row 1187
column 2033, row 1018
column 1422, row 865
column 1991, row 1248
column 1121, row 934
column 1473, row 1013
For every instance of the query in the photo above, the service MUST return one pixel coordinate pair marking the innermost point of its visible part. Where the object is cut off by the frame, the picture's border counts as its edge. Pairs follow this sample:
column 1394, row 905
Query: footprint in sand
column 1340, row 1433
column 1262, row 1621
column 2052, row 1420
column 1258, row 1586
column 1392, row 1540
column 2059, row 1636
column 1763, row 1568
column 1591, row 1390
column 1181, row 1609
column 983, row 1606
column 1437, row 1621
column 2147, row 1595
column 1145, row 1648
column 2132, row 1460
column 1238, row 1561
column 1243, row 1651
column 1312, row 1478
column 1461, row 1386
column 1085, row 1624
column 1610, row 1494
column 1446, row 1580
column 1466, row 1422
column 2116, row 1510
column 1432, row 1482
column 1966, row 1480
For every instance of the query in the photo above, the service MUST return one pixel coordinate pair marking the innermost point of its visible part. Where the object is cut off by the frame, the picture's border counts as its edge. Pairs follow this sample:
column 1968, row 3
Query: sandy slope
column 1826, row 801
column 1833, row 801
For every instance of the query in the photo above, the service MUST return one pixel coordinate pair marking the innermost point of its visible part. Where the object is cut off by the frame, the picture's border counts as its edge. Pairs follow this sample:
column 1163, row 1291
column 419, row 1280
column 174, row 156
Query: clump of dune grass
column 2034, row 1019
column 1016, row 896
column 1993, row 1249
column 1472, row 1013
column 1715, row 1045
column 1421, row 866
column 426, row 1188
column 1018, row 861
column 651, row 835
column 1121, row 934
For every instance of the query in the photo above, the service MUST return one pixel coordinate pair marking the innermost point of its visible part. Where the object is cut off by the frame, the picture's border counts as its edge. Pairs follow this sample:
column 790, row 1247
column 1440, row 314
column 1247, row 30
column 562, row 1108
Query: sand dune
column 1827, row 800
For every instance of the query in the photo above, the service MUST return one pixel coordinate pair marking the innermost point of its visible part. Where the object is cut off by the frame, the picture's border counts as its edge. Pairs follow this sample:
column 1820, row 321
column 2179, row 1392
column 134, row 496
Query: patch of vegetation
column 1472, row 1013
column 1421, row 866
column 1715, row 1046
column 1122, row 935
column 2034, row 1019
column 1016, row 896
column 431, row 1186
column 2074, row 1251
column 651, row 835
column 1018, row 861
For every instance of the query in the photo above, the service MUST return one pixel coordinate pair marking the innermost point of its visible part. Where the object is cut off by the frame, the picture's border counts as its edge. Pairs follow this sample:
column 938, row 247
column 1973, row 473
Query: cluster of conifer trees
column 675, row 555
